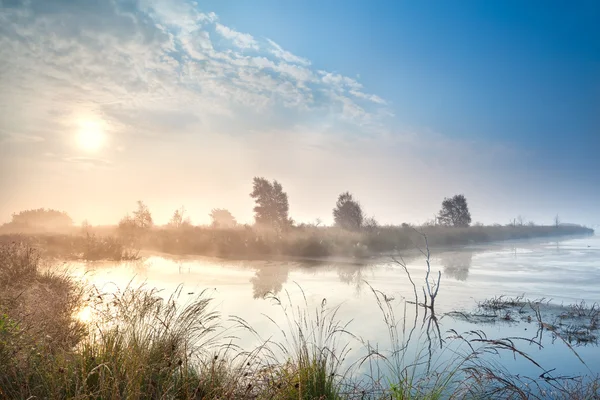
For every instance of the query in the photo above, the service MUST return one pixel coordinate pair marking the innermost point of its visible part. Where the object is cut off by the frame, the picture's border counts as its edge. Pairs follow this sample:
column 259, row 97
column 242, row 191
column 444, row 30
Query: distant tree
column 557, row 221
column 142, row 216
column 370, row 224
column 86, row 227
column 348, row 213
column 455, row 212
column 140, row 220
column 222, row 218
column 41, row 219
column 272, row 205
column 179, row 220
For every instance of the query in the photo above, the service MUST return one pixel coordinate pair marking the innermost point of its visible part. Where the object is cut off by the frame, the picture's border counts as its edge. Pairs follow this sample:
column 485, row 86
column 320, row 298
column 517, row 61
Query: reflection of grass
column 576, row 324
column 141, row 345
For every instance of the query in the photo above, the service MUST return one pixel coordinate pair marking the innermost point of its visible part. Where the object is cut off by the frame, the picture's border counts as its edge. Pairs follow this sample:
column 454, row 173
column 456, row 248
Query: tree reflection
column 457, row 264
column 269, row 279
column 352, row 274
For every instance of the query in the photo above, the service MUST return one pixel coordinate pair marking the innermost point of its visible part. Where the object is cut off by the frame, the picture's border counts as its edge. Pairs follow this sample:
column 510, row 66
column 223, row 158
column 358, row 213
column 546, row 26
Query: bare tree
column 179, row 219
column 370, row 224
column 557, row 221
column 142, row 216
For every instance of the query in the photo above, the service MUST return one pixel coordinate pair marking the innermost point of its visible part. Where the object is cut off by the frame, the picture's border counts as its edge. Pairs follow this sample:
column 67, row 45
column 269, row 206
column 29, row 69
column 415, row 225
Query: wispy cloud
column 285, row 55
column 9, row 137
column 172, row 82
column 90, row 161
column 125, row 63
column 241, row 40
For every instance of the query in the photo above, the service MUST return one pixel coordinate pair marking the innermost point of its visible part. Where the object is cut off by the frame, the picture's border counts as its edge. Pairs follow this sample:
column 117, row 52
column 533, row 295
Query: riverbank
column 143, row 344
column 245, row 242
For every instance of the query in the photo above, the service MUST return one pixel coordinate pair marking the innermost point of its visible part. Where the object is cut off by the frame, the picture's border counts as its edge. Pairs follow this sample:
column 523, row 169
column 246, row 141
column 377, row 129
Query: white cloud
column 371, row 97
column 285, row 55
column 340, row 82
column 241, row 40
column 102, row 54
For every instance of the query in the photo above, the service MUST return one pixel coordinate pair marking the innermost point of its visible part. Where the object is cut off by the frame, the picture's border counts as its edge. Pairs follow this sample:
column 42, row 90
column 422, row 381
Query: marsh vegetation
column 61, row 338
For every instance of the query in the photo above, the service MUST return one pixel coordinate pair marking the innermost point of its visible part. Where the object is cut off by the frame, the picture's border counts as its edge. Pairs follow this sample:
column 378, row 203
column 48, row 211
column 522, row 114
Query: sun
column 90, row 135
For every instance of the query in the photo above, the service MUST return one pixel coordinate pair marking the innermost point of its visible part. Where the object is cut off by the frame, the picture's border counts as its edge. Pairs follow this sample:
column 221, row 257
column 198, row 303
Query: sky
column 175, row 102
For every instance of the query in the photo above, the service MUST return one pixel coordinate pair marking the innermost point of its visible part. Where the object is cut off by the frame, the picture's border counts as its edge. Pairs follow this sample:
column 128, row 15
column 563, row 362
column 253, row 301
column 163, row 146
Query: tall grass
column 307, row 363
column 139, row 344
column 87, row 246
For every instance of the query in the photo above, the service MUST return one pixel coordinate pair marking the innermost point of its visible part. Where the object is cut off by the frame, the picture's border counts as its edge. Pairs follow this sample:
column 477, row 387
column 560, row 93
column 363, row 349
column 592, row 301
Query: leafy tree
column 348, row 213
column 455, row 212
column 41, row 219
column 272, row 205
column 222, row 218
column 179, row 220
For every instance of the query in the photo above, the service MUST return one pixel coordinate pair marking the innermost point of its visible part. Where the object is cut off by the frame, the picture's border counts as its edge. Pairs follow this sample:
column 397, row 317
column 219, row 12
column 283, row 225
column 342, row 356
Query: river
column 565, row 271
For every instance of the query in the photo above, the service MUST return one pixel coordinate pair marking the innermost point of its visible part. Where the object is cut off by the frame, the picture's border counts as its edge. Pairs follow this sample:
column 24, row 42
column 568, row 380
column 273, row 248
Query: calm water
column 564, row 270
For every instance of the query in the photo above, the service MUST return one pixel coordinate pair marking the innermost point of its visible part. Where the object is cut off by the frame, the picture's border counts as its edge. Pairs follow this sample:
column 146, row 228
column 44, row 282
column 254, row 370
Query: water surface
column 564, row 270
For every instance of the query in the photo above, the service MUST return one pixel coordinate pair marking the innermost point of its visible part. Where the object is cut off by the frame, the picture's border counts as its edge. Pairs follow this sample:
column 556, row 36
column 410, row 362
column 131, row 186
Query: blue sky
column 520, row 72
column 402, row 103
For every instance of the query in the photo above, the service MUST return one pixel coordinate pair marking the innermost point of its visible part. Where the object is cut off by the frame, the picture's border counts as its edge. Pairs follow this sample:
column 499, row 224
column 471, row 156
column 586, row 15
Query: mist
column 299, row 200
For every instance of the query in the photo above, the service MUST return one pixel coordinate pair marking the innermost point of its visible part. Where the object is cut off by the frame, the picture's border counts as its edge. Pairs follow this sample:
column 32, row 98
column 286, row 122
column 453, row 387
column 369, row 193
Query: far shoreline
column 301, row 244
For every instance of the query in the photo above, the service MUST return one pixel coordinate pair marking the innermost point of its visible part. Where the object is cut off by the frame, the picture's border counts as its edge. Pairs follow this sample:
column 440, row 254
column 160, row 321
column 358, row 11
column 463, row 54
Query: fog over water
column 565, row 271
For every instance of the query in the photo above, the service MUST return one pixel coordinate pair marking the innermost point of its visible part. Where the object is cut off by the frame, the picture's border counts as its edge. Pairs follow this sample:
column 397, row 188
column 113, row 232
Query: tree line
column 271, row 210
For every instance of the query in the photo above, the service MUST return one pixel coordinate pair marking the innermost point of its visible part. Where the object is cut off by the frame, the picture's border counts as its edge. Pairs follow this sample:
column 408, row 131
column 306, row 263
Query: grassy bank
column 251, row 242
column 144, row 346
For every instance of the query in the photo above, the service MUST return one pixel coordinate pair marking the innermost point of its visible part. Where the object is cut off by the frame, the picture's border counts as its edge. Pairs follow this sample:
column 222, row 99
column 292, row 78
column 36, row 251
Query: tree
column 142, row 216
column 272, row 205
column 41, row 219
column 86, row 226
column 557, row 221
column 222, row 218
column 179, row 220
column 455, row 212
column 370, row 224
column 348, row 213
column 141, row 219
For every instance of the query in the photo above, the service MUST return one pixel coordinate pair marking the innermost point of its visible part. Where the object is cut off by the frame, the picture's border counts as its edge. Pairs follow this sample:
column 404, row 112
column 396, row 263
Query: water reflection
column 352, row 275
column 269, row 279
column 457, row 264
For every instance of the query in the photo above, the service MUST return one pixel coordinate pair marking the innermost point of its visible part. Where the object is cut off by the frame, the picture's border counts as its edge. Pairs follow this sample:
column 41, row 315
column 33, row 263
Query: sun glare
column 90, row 136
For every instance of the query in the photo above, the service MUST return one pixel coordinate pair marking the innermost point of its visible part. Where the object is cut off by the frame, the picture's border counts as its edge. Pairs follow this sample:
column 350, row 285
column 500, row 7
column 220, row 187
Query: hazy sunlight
column 90, row 135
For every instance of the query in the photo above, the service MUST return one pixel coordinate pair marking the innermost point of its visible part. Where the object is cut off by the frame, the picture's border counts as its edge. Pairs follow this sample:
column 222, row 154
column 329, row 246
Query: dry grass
column 143, row 345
